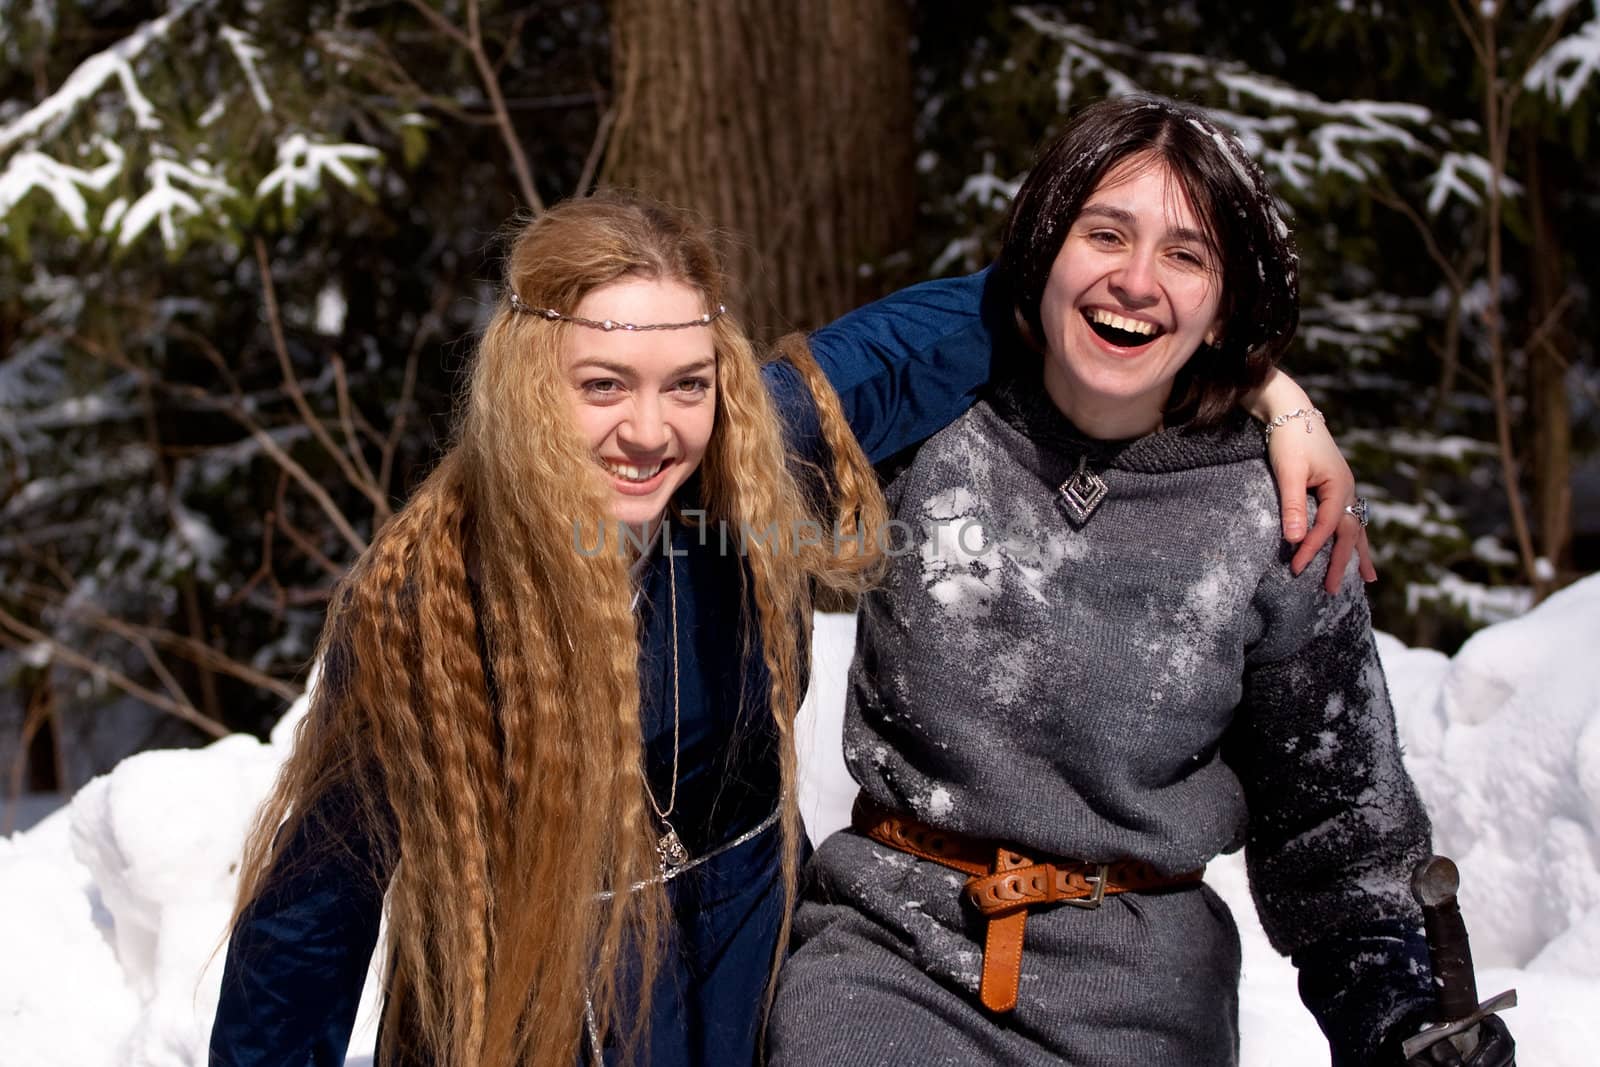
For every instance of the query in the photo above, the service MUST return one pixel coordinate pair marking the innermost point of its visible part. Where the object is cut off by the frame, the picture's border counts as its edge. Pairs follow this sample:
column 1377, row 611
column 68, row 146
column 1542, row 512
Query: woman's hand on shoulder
column 1305, row 458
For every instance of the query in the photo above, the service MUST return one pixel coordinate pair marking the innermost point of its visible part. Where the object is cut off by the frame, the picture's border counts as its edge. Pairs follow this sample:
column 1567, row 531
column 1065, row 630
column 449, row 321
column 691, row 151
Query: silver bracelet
column 1298, row 413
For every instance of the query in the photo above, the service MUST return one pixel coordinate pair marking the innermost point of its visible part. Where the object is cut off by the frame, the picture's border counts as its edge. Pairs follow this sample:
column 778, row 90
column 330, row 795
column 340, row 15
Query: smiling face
column 644, row 401
column 1132, row 294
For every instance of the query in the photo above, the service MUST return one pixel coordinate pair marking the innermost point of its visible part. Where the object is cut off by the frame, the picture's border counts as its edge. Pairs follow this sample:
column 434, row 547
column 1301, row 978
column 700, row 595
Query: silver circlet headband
column 611, row 324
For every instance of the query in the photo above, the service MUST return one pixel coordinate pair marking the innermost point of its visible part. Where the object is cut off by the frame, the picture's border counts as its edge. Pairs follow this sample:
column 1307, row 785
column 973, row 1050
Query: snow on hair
column 1229, row 193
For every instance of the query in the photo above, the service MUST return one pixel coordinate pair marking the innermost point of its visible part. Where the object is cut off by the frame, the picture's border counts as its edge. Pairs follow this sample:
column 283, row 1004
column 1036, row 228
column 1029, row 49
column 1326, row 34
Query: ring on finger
column 1359, row 509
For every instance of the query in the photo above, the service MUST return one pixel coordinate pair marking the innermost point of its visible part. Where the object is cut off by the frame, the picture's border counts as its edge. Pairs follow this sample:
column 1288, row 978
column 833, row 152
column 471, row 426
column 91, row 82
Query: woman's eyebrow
column 626, row 370
column 1115, row 214
column 1126, row 218
column 621, row 370
column 699, row 366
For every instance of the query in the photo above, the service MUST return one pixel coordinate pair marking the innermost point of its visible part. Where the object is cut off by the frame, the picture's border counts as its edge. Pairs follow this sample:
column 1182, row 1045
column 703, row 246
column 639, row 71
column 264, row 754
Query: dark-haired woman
column 1097, row 671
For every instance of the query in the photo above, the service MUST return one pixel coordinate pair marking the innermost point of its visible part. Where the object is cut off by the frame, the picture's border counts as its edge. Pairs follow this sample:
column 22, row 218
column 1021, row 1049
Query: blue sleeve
column 298, row 956
column 908, row 365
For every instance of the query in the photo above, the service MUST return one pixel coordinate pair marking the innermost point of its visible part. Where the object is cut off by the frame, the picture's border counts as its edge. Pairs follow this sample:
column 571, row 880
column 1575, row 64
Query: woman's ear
column 1213, row 336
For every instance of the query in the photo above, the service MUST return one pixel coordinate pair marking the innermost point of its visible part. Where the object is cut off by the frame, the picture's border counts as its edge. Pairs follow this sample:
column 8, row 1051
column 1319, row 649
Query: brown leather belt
column 1002, row 885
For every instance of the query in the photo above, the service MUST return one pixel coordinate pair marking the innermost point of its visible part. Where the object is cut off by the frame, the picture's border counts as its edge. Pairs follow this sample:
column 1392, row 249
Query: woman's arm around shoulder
column 910, row 364
column 1305, row 459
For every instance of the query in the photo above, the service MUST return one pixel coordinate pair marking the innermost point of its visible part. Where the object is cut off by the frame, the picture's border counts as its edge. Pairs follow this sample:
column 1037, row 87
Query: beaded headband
column 611, row 324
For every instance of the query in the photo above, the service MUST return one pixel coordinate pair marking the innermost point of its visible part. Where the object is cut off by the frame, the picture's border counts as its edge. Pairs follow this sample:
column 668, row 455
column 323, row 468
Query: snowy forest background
column 246, row 246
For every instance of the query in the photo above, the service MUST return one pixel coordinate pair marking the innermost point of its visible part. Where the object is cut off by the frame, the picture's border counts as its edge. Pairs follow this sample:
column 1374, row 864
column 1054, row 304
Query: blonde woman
column 552, row 740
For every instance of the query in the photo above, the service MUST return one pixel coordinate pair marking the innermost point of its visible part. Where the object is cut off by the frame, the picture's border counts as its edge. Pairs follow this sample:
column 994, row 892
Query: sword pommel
column 1435, row 882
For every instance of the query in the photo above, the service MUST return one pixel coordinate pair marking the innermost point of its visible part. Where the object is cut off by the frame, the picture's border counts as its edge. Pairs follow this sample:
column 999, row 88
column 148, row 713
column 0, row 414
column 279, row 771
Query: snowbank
column 116, row 906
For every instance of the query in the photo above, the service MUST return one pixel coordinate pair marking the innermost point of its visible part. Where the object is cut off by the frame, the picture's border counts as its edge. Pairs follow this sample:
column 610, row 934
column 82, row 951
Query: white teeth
column 631, row 473
column 1117, row 322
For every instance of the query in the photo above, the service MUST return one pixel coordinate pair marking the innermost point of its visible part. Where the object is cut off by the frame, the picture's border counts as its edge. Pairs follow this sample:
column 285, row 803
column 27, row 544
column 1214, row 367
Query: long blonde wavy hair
column 516, row 823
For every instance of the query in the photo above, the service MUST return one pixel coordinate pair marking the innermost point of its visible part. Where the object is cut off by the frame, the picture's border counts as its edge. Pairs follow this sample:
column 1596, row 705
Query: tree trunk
column 1550, row 343
column 787, row 124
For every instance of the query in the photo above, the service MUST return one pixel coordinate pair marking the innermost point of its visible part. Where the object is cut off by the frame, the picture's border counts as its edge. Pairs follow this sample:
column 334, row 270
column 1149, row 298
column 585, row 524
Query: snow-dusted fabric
column 1154, row 685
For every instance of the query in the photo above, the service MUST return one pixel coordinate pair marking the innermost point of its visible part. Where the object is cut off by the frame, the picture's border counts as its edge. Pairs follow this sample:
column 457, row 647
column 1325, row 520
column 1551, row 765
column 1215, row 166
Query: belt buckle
column 1098, row 880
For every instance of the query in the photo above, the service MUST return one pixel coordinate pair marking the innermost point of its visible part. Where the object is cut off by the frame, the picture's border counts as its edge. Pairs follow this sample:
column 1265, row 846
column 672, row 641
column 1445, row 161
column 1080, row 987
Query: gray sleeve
column 1336, row 824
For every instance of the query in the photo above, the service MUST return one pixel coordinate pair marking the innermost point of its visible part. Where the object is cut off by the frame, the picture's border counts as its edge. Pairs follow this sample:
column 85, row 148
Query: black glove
column 1495, row 1049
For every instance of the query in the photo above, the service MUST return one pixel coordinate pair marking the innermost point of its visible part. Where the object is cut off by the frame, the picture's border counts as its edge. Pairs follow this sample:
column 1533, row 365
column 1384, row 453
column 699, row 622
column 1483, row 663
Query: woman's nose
column 644, row 428
column 1134, row 284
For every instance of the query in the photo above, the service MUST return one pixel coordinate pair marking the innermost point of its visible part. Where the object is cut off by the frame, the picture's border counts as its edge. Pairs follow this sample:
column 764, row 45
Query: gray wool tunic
column 1152, row 685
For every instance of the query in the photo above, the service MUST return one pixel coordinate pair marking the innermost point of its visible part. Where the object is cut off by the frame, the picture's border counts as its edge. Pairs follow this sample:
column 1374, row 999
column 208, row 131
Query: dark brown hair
column 1260, row 307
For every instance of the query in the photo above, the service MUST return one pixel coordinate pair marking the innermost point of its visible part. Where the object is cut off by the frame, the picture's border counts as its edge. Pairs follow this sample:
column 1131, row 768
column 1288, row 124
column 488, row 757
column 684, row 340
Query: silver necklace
column 669, row 846
column 1083, row 492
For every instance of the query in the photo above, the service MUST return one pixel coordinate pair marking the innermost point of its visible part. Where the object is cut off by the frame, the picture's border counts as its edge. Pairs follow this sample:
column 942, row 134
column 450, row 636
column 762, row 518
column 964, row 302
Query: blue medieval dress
column 297, row 959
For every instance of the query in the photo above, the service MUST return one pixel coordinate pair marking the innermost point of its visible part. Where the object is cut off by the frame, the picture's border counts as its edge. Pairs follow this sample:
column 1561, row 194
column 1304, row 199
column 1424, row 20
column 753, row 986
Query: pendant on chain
column 670, row 850
column 1083, row 492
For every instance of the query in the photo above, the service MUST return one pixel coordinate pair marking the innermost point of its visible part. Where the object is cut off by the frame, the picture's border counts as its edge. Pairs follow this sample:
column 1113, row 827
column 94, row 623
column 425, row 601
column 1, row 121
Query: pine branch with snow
column 1564, row 73
column 174, row 174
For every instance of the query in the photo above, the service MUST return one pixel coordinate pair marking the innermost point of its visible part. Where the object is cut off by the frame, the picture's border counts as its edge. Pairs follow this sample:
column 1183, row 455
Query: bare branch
column 50, row 563
column 292, row 383
column 210, row 351
column 263, row 571
column 440, row 23
column 1550, row 321
column 392, row 443
column 508, row 132
column 513, row 35
column 243, row 418
column 38, row 713
column 341, row 389
column 1393, row 200
column 185, row 711
column 301, row 541
column 153, row 660
column 1467, row 27
column 597, row 147
column 148, row 638
column 488, row 70
column 408, row 384
column 309, row 484
column 185, row 582
column 390, row 76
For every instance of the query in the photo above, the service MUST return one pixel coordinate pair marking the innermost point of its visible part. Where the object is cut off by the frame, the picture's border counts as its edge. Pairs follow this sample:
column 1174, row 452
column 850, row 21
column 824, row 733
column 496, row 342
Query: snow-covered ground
column 114, row 907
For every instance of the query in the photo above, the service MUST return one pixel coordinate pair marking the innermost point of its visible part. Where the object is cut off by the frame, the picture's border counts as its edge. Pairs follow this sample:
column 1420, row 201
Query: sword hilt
column 1434, row 884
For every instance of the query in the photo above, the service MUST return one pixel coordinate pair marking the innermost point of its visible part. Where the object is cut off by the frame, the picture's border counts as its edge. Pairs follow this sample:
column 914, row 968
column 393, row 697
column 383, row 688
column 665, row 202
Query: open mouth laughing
column 1119, row 330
